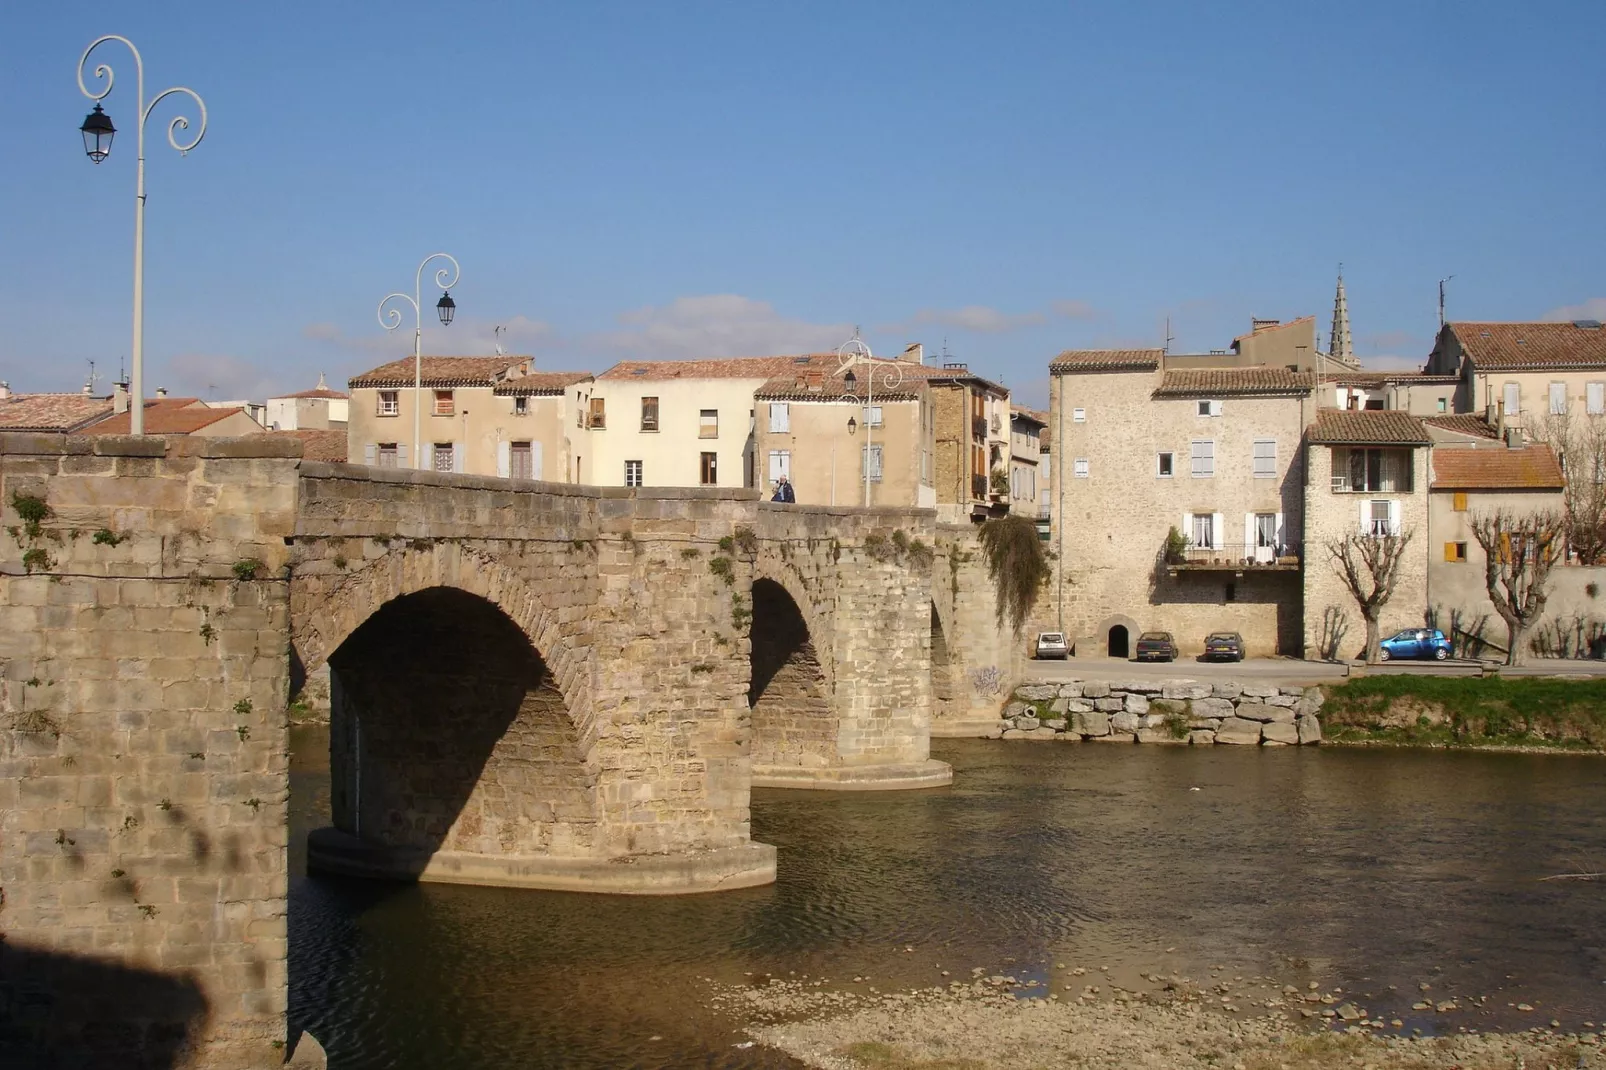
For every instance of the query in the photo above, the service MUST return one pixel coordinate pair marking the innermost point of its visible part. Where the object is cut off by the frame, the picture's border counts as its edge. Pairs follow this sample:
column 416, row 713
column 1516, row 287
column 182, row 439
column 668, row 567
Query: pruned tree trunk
column 1369, row 565
column 1519, row 550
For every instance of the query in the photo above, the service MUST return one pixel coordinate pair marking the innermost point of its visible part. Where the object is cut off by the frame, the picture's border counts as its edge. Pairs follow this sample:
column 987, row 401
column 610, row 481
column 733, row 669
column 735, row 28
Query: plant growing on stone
column 37, row 559
column 740, row 613
column 1519, row 551
column 746, row 541
column 877, row 546
column 243, row 732
column 108, row 537
column 207, row 632
column 1017, row 566
column 1000, row 482
column 690, row 552
column 727, row 544
column 721, row 567
column 32, row 510
column 920, row 554
column 243, row 707
column 1369, row 565
column 247, row 568
column 1175, row 549
column 340, row 561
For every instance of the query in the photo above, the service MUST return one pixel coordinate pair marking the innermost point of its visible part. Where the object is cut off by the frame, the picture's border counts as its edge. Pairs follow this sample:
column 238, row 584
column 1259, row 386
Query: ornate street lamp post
column 855, row 354
column 445, row 308
column 98, row 132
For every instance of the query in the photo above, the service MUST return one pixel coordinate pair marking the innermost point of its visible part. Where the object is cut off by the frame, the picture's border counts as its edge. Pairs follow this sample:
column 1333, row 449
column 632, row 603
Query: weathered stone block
column 1116, row 737
column 1037, row 692
column 1237, row 730
column 1095, row 689
column 1202, row 738
column 1056, row 723
column 1090, row 723
column 1211, row 707
column 1310, row 730
column 1227, row 691
column 1261, row 691
column 1164, row 706
column 1159, row 735
column 1259, row 711
column 1280, row 732
column 1057, row 706
column 1315, row 697
column 1016, row 709
column 1077, row 705
column 1136, row 704
column 1125, row 722
column 1027, row 724
column 1282, row 700
column 1070, row 690
column 1113, row 704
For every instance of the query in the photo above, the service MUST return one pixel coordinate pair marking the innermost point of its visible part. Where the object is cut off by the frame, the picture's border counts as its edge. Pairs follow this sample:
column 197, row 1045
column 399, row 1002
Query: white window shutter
column 1215, row 408
column 780, row 417
column 1596, row 398
column 535, row 460
column 1281, row 538
column 1513, row 399
column 370, row 454
column 1366, row 516
column 427, row 456
column 504, row 459
column 1249, row 534
column 457, row 456
column 1394, row 516
column 401, row 455
column 1217, row 530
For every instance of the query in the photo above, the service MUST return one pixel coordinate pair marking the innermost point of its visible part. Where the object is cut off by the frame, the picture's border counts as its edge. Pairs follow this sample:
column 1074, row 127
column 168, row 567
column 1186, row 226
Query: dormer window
column 521, row 406
column 1209, row 408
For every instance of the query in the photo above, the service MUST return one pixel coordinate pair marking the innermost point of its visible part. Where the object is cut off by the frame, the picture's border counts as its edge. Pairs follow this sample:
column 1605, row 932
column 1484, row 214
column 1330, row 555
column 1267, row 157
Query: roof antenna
column 497, row 331
column 1169, row 337
column 89, row 384
column 1442, row 281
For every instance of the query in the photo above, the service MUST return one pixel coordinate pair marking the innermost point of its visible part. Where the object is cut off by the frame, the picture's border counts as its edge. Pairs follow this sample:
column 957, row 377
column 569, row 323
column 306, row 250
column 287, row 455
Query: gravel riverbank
column 990, row 1023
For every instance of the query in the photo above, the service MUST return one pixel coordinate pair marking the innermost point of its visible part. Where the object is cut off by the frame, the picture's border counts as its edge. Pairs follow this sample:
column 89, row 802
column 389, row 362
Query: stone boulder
column 1057, row 706
column 1016, row 709
column 1095, row 689
column 1282, row 700
column 1158, row 735
column 1126, row 723
column 1261, row 691
column 1239, row 731
column 1090, row 723
column 1076, row 705
column 1112, row 704
column 1027, row 723
column 1314, row 697
column 1037, row 692
column 1152, row 719
column 1201, row 738
column 1056, row 723
column 1310, row 730
column 1211, row 707
column 1163, row 706
column 1259, row 711
column 1280, row 732
column 1141, row 687
column 1136, row 704
column 1228, row 691
column 1187, row 689
column 1070, row 690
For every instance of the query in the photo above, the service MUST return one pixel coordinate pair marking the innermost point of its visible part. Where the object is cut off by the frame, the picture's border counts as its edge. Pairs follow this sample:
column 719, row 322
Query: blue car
column 1415, row 643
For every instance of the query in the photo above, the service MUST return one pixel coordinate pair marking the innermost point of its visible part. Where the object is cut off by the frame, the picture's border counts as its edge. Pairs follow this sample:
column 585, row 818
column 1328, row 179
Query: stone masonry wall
column 143, row 749
column 1177, row 711
column 985, row 659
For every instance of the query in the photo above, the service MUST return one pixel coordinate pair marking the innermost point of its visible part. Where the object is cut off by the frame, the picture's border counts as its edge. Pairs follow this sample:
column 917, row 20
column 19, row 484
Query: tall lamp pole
column 446, row 308
column 855, row 354
column 98, row 132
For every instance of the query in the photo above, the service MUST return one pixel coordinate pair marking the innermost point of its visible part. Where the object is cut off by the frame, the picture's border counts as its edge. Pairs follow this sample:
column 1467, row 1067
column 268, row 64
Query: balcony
column 978, row 488
column 978, row 427
column 1235, row 557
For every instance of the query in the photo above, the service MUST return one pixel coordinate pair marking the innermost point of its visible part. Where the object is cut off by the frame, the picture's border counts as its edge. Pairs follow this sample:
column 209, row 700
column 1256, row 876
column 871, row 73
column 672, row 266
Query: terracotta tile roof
column 1463, row 423
column 51, row 412
column 728, row 368
column 325, row 393
column 1209, row 382
column 1528, row 468
column 1276, row 327
column 814, row 378
column 165, row 416
column 441, row 372
column 1379, row 427
column 319, row 444
column 538, row 384
column 1362, row 377
column 1096, row 360
column 1516, row 346
column 1031, row 416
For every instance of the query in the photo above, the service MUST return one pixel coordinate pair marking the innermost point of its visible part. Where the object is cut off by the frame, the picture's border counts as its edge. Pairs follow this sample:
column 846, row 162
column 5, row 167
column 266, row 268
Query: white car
column 1052, row 645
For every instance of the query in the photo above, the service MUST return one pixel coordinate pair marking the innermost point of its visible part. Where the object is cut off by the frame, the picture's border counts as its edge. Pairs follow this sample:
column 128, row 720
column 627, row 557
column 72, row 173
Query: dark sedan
column 1156, row 646
column 1415, row 643
column 1225, row 646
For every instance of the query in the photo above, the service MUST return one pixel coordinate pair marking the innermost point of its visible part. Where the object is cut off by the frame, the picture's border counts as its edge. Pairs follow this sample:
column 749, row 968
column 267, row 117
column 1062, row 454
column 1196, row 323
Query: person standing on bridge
column 783, row 490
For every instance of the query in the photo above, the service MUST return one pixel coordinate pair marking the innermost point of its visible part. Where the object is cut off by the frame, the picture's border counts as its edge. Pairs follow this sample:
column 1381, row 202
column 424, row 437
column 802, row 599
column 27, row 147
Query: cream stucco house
column 1522, row 373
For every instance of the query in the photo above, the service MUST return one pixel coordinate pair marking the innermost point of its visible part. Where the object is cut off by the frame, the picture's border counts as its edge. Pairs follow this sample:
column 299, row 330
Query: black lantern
column 853, row 426
column 446, row 308
column 850, row 380
column 98, row 132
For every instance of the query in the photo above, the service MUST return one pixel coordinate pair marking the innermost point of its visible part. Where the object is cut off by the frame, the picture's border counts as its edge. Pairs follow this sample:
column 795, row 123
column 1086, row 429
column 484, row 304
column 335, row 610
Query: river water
column 1358, row 868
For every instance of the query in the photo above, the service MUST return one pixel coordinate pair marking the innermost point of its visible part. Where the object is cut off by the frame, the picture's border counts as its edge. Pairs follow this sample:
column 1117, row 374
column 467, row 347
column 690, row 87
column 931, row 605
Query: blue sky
column 698, row 179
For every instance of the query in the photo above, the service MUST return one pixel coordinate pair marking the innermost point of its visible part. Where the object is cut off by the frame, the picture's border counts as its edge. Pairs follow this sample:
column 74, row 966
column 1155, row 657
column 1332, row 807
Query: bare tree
column 1519, row 550
column 1580, row 445
column 1369, row 565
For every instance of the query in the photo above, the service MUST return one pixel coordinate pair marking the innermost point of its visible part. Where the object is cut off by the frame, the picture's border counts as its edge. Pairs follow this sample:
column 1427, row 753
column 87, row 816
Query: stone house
column 1212, row 454
column 1367, row 474
column 1025, row 458
column 1521, row 374
column 828, row 439
column 176, row 416
column 973, row 428
column 317, row 409
column 482, row 415
column 1413, row 392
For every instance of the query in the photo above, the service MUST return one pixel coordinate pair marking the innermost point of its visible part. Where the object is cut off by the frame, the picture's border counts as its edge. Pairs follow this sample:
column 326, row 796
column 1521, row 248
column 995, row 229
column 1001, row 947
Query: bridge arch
column 793, row 722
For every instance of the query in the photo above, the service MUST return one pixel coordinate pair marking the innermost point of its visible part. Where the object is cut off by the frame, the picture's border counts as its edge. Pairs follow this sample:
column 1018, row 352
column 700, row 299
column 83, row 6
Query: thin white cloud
column 465, row 337
column 712, row 326
column 1592, row 309
column 217, row 377
column 984, row 319
column 1073, row 310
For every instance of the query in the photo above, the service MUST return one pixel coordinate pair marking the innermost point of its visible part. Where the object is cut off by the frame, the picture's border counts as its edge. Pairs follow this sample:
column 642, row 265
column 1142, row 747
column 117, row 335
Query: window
column 444, row 403
column 1444, row 405
column 1164, row 463
column 519, row 461
column 1202, row 531
column 599, row 414
column 1378, row 518
column 780, row 464
column 872, row 415
column 445, row 457
column 388, row 455
column 389, row 405
column 1209, row 408
column 1079, row 468
column 1513, row 398
column 1266, row 533
column 1595, row 398
column 633, row 473
column 1372, row 471
column 872, row 463
column 780, row 417
column 1458, row 501
column 1558, row 399
column 1078, row 416
column 1265, row 458
column 708, row 423
column 709, row 472
column 521, row 406
column 1204, row 458
column 649, row 414
column 1455, row 552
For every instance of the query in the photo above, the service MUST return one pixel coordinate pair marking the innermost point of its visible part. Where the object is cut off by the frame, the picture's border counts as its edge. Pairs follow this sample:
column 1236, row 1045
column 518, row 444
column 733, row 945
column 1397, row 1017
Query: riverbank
column 982, row 1025
column 1520, row 713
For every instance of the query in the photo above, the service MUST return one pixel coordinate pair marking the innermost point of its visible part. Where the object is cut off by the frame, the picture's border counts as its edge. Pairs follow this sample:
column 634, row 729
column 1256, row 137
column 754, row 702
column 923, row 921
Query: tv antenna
column 89, row 384
column 497, row 332
column 1169, row 337
column 1442, row 281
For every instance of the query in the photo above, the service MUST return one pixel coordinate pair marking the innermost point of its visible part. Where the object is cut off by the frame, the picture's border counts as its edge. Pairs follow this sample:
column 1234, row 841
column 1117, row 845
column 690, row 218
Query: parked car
column 1415, row 643
column 1052, row 645
column 1156, row 646
column 1228, row 646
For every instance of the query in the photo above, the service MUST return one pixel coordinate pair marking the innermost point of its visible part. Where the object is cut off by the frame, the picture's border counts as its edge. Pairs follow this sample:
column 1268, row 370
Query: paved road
column 1290, row 670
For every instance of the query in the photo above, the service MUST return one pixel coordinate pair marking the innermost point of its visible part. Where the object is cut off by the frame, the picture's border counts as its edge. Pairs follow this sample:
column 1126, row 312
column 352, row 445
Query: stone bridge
column 532, row 684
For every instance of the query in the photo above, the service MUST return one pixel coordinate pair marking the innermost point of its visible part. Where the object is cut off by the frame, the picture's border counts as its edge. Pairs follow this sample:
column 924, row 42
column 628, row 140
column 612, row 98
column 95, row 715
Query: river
column 1357, row 868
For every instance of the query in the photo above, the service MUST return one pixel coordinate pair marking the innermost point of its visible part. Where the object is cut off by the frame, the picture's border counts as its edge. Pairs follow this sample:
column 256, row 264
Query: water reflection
column 1354, row 868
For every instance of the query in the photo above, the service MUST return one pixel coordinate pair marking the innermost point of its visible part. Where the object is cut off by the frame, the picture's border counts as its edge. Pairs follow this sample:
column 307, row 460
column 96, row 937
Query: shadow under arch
column 944, row 687
column 449, row 734
column 793, row 723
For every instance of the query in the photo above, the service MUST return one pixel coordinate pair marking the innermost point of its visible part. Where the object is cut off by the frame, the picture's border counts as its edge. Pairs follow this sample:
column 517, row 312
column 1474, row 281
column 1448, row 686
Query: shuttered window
column 1204, row 457
column 1265, row 458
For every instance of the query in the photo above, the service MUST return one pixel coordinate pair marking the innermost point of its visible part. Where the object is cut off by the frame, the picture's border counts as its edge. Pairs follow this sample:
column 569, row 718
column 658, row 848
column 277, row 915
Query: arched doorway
column 1119, row 641
column 448, row 733
column 792, row 723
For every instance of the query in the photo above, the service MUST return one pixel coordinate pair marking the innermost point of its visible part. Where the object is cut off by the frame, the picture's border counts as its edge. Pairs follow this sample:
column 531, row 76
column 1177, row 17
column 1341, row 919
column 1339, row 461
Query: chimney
column 914, row 353
column 161, row 391
column 119, row 397
column 1515, row 439
column 5, row 390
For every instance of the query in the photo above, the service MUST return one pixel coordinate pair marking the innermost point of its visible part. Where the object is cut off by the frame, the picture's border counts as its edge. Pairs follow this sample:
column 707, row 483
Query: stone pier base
column 890, row 777
column 745, row 866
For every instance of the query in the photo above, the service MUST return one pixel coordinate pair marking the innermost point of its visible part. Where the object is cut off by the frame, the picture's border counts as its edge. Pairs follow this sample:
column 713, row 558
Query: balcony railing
column 1236, row 556
column 978, row 427
column 978, row 488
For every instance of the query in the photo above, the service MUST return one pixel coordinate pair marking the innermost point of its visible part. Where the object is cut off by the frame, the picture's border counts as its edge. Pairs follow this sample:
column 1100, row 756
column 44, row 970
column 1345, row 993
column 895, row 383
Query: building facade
column 318, row 409
column 1025, row 461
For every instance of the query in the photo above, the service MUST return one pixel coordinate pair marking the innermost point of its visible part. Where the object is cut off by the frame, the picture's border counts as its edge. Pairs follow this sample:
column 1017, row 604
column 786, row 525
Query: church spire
column 1342, row 349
